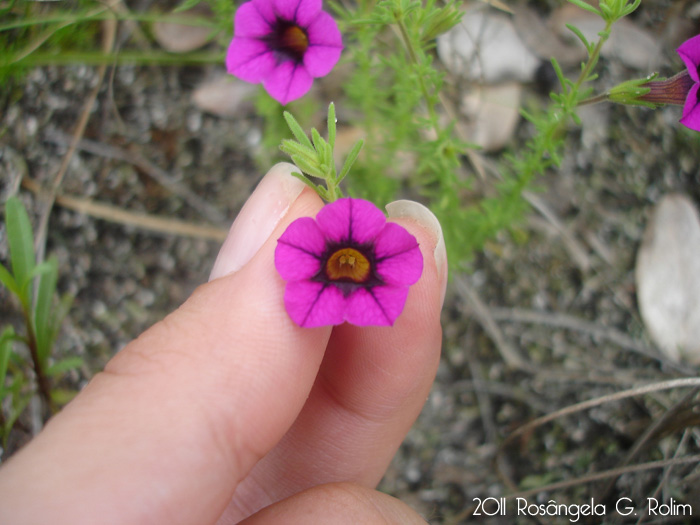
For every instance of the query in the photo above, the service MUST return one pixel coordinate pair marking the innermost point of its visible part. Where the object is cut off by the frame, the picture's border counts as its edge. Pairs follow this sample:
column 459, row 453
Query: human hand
column 226, row 407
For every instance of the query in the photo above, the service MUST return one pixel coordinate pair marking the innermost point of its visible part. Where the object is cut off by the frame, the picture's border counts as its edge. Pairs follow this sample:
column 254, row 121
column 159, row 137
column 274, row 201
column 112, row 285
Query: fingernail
column 270, row 201
column 423, row 216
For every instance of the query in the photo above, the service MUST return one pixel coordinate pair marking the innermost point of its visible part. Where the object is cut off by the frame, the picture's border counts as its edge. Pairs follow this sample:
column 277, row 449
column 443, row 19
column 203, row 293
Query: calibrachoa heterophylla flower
column 284, row 44
column 349, row 264
column 689, row 52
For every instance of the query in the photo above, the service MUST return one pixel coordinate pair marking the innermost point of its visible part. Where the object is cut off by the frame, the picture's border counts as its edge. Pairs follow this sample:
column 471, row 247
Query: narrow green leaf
column 294, row 148
column 40, row 270
column 306, row 167
column 297, row 130
column 331, row 125
column 576, row 31
column 62, row 396
column 631, row 8
column 329, row 160
column 21, row 241
column 58, row 314
column 318, row 141
column 323, row 193
column 350, row 159
column 25, row 290
column 559, row 73
column 64, row 365
column 8, row 280
column 18, row 407
column 587, row 7
column 42, row 309
column 6, row 339
column 306, row 181
column 186, row 5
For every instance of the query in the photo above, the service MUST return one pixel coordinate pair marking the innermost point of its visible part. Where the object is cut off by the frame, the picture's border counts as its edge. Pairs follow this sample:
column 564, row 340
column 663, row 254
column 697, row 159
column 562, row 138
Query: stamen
column 348, row 264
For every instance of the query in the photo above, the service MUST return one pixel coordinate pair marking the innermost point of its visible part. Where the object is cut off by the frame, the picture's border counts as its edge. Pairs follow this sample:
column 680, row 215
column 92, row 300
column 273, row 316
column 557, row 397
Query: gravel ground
column 543, row 319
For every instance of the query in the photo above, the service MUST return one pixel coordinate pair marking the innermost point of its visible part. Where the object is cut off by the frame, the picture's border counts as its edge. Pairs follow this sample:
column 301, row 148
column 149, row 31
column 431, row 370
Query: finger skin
column 339, row 504
column 371, row 387
column 180, row 415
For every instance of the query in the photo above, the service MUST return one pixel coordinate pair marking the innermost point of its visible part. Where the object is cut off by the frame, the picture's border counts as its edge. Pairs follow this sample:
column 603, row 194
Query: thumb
column 181, row 414
column 340, row 504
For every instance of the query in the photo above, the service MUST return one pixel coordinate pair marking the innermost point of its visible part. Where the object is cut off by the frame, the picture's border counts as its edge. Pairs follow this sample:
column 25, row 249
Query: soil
column 557, row 291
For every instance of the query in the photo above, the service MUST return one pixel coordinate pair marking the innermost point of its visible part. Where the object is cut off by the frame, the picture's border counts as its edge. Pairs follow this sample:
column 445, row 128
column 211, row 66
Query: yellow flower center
column 348, row 264
column 294, row 40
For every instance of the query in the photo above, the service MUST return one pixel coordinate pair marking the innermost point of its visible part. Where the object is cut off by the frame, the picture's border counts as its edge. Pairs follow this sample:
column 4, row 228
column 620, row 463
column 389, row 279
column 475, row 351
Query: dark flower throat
column 289, row 41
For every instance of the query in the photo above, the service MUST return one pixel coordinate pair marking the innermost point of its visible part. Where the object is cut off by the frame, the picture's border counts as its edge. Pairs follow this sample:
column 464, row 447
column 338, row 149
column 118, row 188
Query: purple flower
column 284, row 44
column 349, row 264
column 689, row 52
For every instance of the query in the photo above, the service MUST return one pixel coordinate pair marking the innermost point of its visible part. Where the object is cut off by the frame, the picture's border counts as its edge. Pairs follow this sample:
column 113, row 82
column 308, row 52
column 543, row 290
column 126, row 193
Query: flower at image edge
column 347, row 265
column 284, row 44
column 689, row 51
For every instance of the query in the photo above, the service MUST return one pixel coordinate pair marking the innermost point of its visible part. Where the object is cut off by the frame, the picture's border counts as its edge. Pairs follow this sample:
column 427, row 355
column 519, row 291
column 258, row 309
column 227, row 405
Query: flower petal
column 351, row 220
column 325, row 45
column 689, row 51
column 287, row 82
column 319, row 60
column 253, row 20
column 301, row 12
column 323, row 31
column 249, row 59
column 311, row 303
column 377, row 306
column 299, row 250
column 691, row 109
column 399, row 260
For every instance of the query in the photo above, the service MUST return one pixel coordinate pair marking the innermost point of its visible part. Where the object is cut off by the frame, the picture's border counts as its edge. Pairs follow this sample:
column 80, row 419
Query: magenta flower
column 349, row 264
column 689, row 52
column 284, row 44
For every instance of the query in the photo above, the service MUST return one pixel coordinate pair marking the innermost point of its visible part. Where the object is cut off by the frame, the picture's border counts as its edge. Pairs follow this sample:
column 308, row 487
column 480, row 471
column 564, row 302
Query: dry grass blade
column 508, row 353
column 588, row 478
column 651, row 432
column 573, row 246
column 138, row 220
column 685, row 382
column 158, row 174
column 605, row 474
column 568, row 322
column 108, row 37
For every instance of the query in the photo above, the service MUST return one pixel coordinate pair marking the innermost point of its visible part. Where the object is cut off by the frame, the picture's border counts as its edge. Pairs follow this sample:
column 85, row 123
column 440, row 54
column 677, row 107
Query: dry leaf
column 668, row 278
column 485, row 47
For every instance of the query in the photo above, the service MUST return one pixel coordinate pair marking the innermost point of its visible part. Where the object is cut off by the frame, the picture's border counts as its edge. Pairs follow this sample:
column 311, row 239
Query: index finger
column 165, row 433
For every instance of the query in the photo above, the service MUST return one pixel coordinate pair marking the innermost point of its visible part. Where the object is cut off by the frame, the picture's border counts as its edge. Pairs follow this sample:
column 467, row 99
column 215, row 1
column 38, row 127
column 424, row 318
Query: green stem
column 3, row 422
column 123, row 57
column 603, row 97
column 593, row 57
column 41, row 379
column 414, row 60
